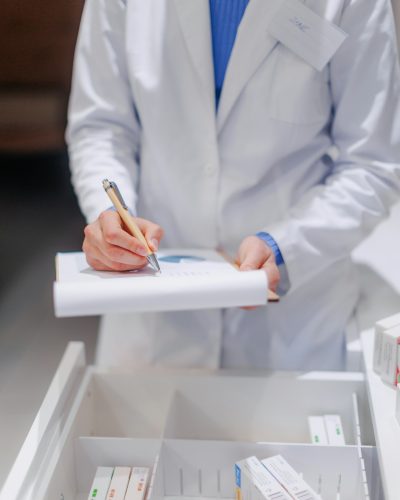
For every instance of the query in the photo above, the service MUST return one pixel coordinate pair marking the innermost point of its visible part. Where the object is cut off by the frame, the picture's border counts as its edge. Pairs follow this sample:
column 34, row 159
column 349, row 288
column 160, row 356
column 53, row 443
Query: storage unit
column 191, row 427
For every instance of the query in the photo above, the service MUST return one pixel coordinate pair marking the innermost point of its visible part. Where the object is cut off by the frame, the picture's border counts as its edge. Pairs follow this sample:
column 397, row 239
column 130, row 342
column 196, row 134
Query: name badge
column 305, row 33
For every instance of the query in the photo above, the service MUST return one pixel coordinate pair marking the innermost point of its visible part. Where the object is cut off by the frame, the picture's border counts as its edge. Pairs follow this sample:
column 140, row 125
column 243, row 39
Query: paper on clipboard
column 190, row 279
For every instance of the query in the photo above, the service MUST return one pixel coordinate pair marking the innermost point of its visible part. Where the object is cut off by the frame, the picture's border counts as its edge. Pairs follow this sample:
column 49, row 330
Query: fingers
column 115, row 235
column 108, row 259
column 152, row 232
column 124, row 259
column 252, row 261
column 253, row 254
column 109, row 247
column 273, row 274
column 97, row 264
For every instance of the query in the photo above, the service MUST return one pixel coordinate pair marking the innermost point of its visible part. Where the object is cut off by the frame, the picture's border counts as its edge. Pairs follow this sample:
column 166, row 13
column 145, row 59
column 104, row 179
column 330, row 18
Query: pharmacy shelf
column 382, row 399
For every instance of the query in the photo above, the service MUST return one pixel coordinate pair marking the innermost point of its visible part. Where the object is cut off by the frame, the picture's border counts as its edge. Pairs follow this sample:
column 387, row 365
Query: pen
column 115, row 196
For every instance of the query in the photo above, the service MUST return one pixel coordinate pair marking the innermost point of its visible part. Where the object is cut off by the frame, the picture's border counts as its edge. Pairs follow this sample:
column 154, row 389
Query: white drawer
column 191, row 427
column 204, row 469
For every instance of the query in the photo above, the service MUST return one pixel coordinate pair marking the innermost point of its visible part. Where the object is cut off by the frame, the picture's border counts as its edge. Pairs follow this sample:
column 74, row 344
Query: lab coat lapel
column 194, row 17
column 252, row 45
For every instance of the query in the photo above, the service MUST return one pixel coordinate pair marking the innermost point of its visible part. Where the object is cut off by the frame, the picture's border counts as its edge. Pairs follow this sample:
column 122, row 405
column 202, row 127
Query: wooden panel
column 37, row 40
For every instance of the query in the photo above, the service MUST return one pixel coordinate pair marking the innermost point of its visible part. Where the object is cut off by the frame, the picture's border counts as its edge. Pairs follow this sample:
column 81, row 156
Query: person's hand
column 256, row 254
column 109, row 247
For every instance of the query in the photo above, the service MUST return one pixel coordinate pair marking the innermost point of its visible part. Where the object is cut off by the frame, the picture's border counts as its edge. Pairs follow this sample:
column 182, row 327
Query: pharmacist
column 268, row 128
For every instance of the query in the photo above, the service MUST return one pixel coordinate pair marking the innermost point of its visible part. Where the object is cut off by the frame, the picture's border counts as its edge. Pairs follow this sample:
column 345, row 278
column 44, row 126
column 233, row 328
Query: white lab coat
column 142, row 113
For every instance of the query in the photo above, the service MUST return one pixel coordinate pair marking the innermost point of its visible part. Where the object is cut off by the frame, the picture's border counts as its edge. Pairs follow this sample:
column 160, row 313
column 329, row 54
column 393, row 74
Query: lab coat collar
column 194, row 17
column 252, row 45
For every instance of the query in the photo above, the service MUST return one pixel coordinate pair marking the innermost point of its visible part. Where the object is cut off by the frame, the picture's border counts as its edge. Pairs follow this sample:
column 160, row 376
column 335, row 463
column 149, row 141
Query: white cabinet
column 191, row 427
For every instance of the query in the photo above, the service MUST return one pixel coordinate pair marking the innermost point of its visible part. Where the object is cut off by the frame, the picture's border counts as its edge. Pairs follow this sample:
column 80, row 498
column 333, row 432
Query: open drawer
column 184, row 469
column 191, row 427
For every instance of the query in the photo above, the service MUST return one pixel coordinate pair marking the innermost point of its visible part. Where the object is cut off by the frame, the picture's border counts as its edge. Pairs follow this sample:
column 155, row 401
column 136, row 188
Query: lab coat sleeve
column 332, row 218
column 103, row 132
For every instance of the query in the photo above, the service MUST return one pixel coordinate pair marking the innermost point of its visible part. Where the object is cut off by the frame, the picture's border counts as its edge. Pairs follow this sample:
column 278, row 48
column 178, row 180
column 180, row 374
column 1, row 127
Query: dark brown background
column 37, row 40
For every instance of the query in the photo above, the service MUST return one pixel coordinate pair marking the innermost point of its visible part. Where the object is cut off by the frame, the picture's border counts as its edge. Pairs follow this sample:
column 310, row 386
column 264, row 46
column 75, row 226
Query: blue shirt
column 225, row 19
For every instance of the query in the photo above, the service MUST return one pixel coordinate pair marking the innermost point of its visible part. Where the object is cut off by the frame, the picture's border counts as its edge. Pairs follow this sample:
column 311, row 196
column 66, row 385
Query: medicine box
column 389, row 361
column 255, row 482
column 334, row 430
column 380, row 327
column 289, row 478
column 119, row 483
column 101, row 483
column 138, row 482
column 317, row 428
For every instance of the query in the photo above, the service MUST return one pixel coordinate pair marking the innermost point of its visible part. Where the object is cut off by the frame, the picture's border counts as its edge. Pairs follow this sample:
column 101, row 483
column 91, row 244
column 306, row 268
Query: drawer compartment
column 76, row 468
column 272, row 408
column 192, row 469
column 184, row 469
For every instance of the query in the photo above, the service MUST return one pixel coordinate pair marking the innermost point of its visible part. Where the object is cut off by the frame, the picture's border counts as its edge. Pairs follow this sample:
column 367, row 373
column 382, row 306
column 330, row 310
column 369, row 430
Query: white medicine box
column 191, row 428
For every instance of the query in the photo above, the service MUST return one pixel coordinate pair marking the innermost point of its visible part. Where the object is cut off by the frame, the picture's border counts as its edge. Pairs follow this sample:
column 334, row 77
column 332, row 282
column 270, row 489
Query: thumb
column 252, row 259
column 273, row 274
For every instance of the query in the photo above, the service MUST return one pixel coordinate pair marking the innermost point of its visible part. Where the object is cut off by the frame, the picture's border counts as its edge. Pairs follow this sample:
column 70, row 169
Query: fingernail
column 154, row 244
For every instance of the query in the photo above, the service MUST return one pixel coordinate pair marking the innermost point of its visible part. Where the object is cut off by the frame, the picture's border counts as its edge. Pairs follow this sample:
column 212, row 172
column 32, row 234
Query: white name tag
column 305, row 33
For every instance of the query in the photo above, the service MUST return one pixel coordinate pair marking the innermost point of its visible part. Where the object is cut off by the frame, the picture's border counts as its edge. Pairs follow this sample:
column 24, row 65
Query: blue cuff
column 269, row 240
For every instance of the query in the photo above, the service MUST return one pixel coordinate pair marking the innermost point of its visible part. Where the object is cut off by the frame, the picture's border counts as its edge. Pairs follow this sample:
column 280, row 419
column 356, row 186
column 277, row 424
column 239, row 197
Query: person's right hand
column 109, row 247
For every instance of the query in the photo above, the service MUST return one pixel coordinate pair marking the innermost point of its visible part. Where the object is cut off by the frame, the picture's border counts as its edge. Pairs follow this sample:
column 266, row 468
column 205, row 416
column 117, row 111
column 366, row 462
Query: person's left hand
column 256, row 254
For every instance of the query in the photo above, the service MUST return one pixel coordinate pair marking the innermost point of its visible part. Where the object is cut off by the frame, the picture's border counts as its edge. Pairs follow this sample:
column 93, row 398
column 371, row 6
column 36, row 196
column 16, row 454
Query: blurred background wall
column 38, row 211
column 37, row 42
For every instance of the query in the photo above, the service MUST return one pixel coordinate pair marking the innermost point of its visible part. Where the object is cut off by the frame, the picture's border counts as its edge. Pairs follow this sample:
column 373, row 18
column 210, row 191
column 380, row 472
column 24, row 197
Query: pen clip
column 118, row 194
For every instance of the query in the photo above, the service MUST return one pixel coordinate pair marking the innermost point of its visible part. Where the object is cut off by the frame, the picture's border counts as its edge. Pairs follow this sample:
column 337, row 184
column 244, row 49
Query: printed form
column 189, row 279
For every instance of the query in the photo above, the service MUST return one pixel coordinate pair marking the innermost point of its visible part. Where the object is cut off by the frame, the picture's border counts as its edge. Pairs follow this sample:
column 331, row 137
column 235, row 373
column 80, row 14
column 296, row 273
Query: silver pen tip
column 152, row 259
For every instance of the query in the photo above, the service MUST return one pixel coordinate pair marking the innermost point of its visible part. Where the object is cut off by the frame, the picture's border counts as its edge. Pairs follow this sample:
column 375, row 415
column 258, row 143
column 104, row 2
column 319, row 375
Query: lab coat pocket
column 299, row 94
